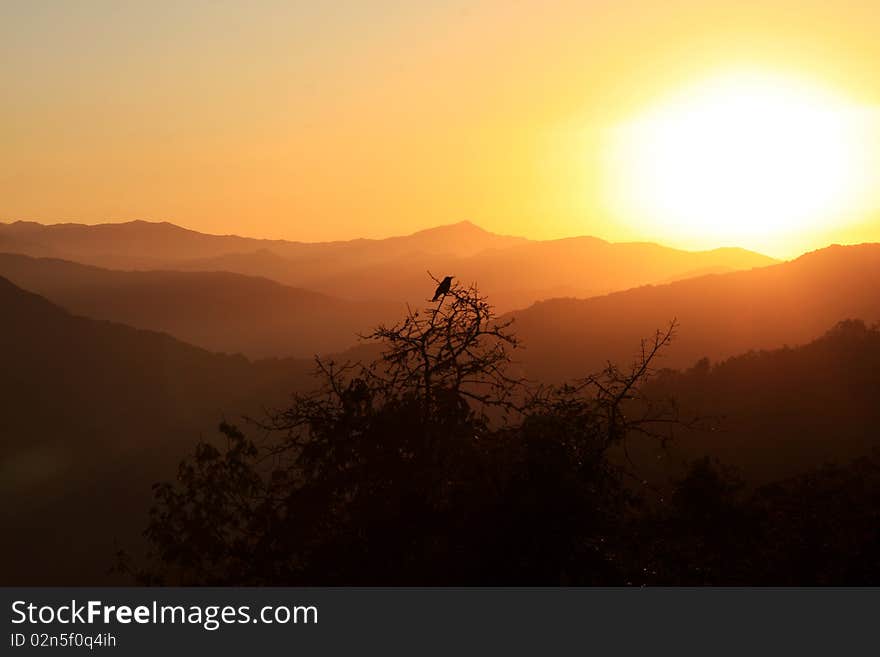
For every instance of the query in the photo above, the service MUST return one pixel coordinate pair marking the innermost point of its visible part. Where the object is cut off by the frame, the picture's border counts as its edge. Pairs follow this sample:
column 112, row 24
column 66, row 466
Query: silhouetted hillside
column 219, row 311
column 719, row 315
column 514, row 272
column 774, row 414
column 92, row 414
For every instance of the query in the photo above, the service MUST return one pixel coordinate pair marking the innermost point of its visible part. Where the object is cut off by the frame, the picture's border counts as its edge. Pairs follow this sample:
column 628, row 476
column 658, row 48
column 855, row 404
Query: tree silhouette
column 434, row 464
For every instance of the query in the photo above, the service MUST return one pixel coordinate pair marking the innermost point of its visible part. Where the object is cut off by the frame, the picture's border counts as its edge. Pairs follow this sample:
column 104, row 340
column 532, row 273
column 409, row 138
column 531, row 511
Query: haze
column 440, row 293
column 278, row 119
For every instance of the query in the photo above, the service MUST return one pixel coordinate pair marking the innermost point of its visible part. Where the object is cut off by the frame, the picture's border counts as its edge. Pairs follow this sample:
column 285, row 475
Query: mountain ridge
column 218, row 310
column 719, row 315
column 456, row 229
column 513, row 271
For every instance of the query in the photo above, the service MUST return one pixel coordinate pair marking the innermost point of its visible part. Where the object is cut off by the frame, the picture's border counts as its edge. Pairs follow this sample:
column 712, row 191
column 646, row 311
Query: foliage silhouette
column 437, row 464
column 434, row 464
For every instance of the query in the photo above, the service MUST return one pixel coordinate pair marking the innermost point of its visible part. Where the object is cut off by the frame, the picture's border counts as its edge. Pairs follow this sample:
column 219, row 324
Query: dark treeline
column 777, row 413
column 437, row 465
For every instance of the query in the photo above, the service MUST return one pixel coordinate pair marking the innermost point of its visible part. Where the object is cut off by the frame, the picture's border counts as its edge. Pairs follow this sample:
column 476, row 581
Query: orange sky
column 378, row 118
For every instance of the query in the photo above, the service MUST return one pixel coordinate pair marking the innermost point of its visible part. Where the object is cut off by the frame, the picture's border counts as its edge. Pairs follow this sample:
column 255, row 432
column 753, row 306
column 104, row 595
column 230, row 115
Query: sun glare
column 745, row 158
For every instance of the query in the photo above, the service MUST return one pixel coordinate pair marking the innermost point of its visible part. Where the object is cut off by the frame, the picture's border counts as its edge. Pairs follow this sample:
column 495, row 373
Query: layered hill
column 220, row 311
column 146, row 245
column 93, row 413
column 719, row 315
column 518, row 276
column 513, row 272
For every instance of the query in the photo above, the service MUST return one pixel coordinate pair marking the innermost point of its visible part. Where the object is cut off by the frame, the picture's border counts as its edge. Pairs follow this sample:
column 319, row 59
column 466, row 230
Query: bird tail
column 436, row 296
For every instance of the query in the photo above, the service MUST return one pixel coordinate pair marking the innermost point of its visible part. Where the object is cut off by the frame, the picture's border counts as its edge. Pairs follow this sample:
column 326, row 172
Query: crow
column 443, row 288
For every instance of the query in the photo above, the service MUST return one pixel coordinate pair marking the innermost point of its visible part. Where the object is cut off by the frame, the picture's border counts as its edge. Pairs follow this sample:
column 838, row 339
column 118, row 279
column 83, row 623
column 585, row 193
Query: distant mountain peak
column 458, row 226
column 467, row 230
column 467, row 223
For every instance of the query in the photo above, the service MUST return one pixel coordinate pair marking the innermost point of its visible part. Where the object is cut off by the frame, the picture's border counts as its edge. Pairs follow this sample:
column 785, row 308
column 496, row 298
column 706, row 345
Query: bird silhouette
column 443, row 288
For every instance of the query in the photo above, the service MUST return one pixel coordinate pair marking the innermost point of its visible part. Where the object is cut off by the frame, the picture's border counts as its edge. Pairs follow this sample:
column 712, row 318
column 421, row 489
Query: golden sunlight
column 744, row 158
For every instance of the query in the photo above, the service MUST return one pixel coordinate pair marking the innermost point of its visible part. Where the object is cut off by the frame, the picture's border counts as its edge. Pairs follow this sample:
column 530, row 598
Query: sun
column 744, row 158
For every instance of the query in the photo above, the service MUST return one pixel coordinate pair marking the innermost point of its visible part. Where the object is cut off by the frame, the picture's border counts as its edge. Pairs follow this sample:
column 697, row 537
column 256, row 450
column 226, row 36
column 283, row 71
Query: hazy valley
column 111, row 370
